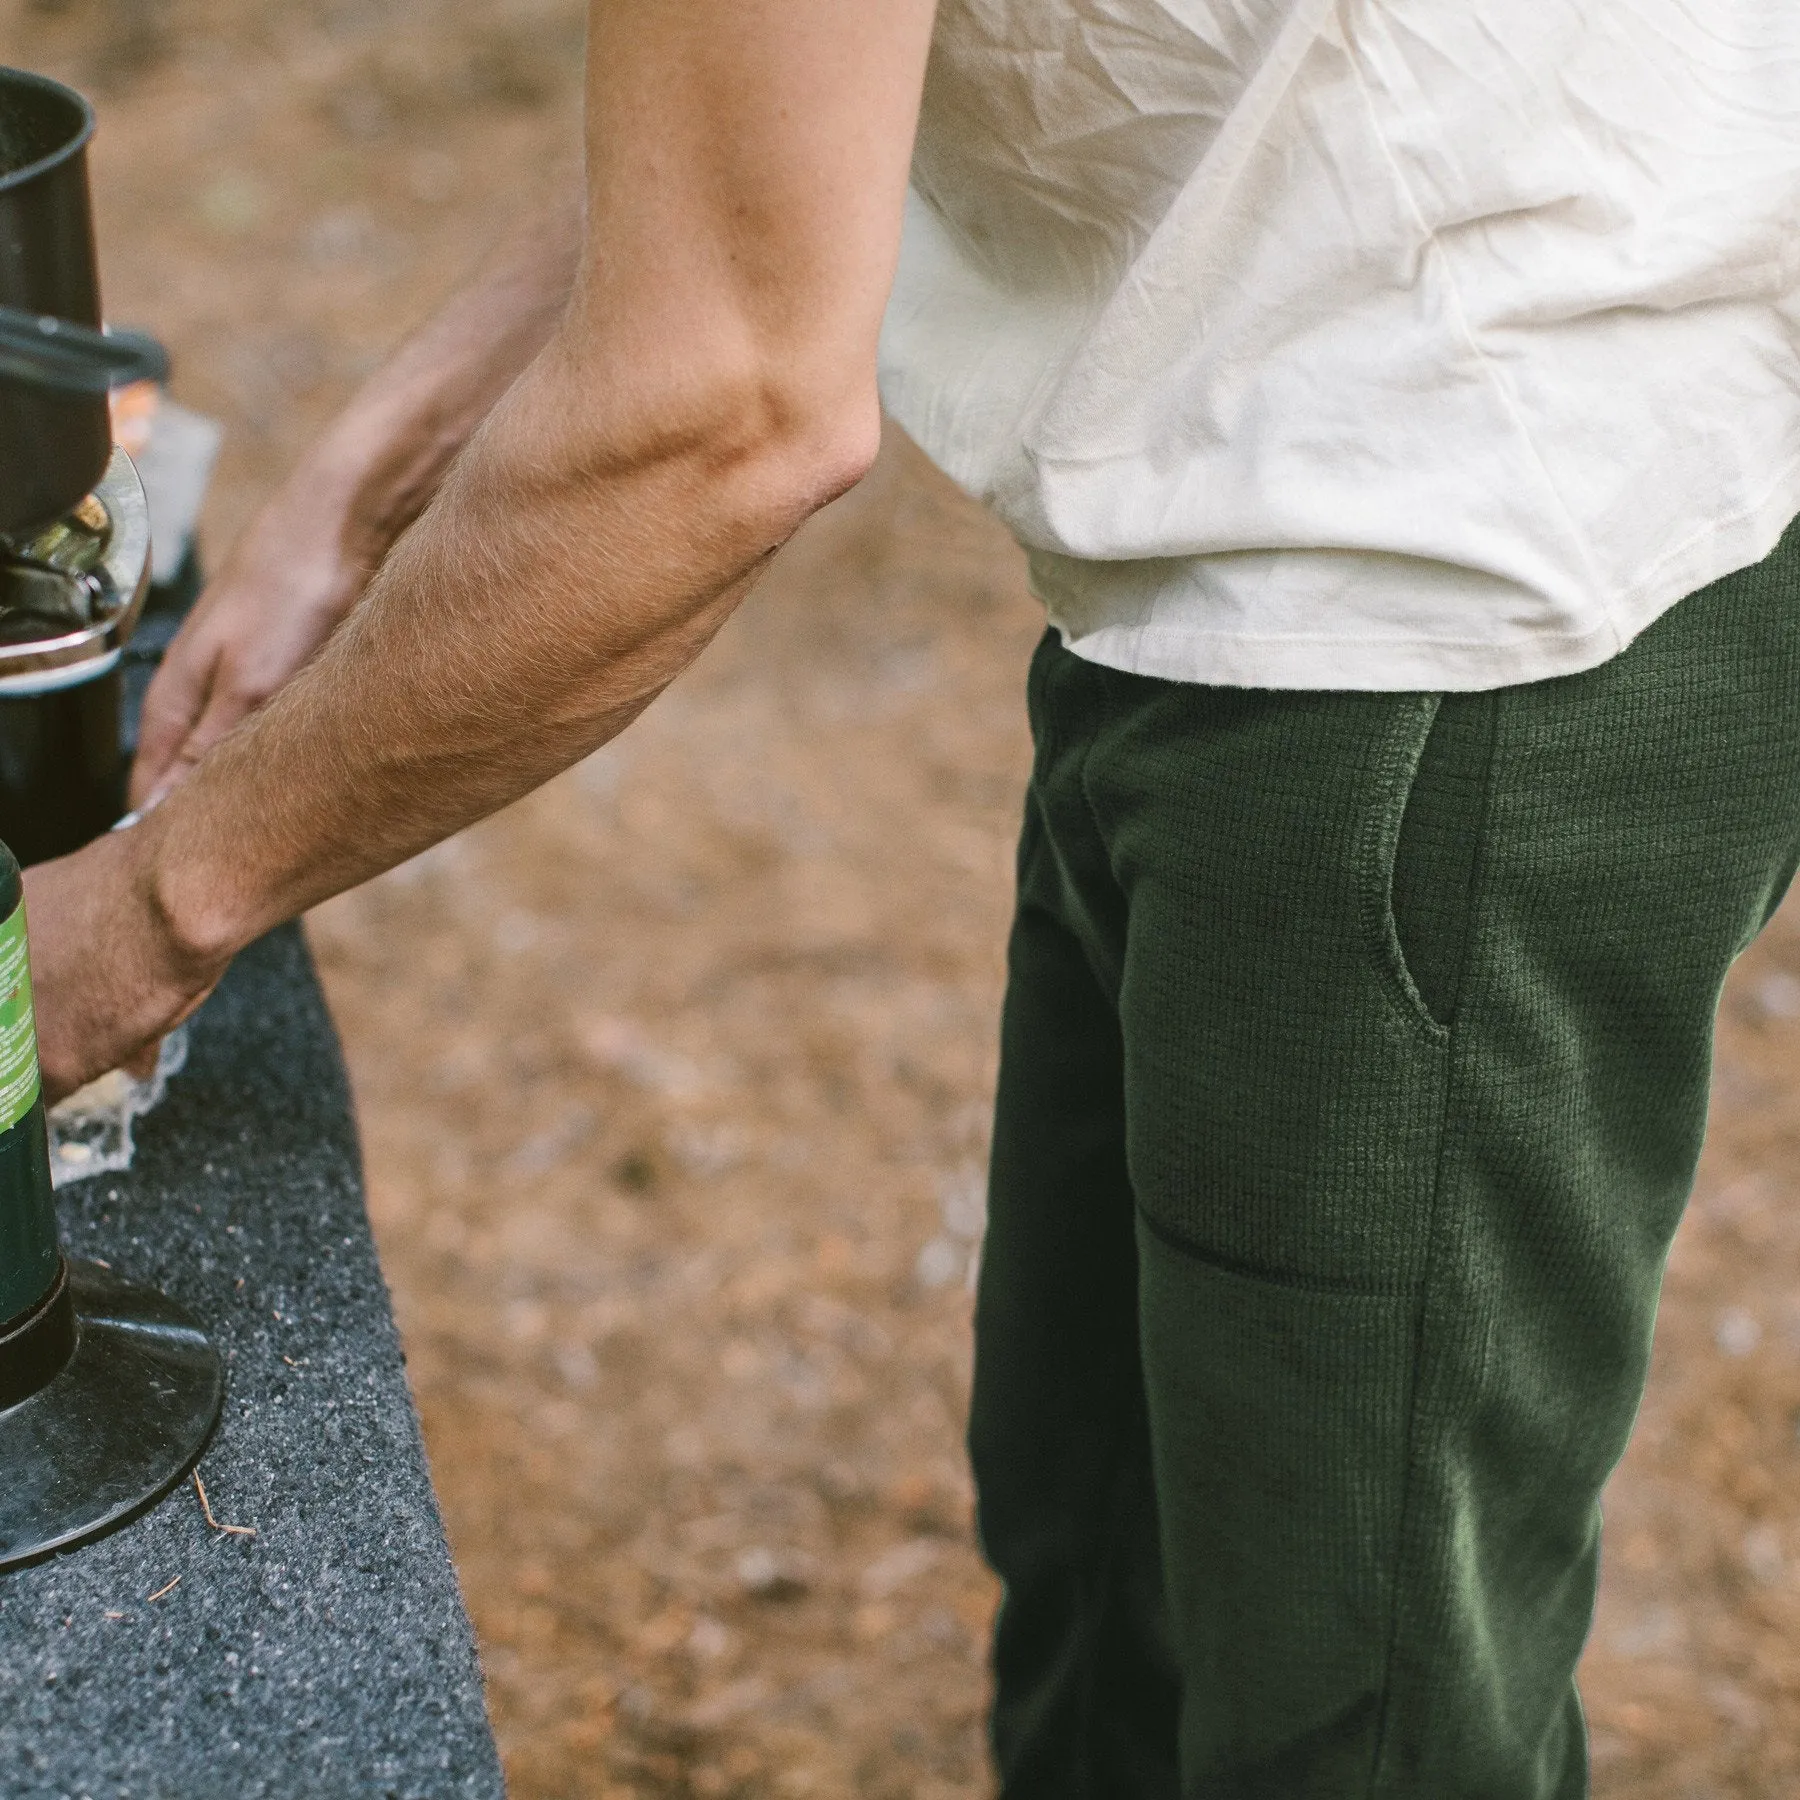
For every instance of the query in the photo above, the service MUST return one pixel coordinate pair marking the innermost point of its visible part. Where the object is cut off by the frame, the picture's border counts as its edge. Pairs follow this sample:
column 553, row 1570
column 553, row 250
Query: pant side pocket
column 1279, row 1426
column 1437, row 850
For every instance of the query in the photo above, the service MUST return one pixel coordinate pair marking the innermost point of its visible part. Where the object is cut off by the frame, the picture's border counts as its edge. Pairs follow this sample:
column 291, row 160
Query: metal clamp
column 42, row 665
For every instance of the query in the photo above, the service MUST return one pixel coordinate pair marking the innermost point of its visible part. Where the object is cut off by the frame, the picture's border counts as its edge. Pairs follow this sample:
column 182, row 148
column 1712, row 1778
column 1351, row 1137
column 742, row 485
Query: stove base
column 119, row 1424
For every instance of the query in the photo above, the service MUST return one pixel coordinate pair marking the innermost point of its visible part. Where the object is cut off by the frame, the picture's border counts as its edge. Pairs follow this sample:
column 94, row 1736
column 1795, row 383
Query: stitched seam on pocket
column 1443, row 1224
column 1299, row 1284
column 1377, row 850
column 1438, row 1253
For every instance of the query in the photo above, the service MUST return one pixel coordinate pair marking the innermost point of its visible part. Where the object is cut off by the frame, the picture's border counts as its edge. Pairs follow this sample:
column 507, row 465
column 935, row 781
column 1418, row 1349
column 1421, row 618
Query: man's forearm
column 531, row 613
column 711, row 383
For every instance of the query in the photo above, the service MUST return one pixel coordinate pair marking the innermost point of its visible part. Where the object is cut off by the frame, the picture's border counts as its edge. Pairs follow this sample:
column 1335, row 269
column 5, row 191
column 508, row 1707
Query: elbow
column 840, row 450
column 753, row 444
column 773, row 448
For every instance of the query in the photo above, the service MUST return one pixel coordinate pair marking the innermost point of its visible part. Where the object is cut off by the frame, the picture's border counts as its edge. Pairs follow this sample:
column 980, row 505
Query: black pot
column 53, row 444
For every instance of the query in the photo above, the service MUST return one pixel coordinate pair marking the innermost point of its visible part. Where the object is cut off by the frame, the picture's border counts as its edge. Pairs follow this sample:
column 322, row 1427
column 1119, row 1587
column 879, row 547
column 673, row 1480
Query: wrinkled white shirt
column 1360, row 343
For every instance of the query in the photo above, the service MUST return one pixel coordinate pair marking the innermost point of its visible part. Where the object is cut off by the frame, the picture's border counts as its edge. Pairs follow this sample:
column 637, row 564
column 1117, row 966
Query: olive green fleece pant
column 1354, row 1070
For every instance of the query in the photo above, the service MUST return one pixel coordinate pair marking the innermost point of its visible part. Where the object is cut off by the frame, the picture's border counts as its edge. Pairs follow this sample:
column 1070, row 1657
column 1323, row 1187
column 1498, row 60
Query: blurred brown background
column 673, row 1079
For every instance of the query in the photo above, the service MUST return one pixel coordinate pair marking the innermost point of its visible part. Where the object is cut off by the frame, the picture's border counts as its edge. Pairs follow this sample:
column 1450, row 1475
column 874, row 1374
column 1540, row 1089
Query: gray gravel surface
column 329, row 1655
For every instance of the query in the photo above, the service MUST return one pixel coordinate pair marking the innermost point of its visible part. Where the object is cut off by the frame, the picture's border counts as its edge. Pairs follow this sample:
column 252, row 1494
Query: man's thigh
column 1086, row 1695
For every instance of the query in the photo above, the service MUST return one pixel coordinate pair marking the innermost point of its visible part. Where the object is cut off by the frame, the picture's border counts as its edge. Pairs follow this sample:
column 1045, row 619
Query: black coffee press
column 108, row 1392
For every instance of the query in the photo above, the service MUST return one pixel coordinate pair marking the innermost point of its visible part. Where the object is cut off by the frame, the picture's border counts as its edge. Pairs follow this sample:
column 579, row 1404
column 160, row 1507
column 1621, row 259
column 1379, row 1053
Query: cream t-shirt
column 1360, row 343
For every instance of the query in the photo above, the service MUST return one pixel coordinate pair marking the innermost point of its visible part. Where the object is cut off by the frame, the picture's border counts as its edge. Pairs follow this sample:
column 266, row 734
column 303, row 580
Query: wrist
column 194, row 917
column 312, row 520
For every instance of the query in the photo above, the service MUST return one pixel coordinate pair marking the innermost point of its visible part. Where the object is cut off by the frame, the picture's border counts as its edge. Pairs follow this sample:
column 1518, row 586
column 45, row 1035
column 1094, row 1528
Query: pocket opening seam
column 1396, row 775
column 1245, row 1271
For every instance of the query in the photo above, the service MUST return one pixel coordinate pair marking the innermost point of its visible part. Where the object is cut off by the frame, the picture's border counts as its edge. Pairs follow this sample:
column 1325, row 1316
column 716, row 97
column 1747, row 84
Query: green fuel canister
column 108, row 1391
column 30, row 1260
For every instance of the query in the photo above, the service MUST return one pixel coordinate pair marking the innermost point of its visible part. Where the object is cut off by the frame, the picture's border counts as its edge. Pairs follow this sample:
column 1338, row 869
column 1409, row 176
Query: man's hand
column 281, row 594
column 105, row 977
column 306, row 559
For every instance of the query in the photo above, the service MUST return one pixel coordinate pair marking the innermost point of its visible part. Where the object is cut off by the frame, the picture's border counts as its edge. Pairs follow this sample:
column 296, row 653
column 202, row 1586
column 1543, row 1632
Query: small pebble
column 1737, row 1333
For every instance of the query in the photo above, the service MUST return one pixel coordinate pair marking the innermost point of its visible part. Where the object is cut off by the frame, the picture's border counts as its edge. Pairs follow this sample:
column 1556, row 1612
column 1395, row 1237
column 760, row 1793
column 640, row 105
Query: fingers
column 226, row 704
column 244, row 641
column 178, row 695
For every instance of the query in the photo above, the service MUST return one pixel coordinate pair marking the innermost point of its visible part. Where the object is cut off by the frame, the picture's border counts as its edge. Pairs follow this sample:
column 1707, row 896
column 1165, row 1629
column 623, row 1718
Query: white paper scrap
column 90, row 1131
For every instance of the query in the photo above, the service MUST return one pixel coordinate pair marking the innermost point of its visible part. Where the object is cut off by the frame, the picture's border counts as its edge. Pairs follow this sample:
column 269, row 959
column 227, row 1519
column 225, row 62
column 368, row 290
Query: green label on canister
column 18, row 1030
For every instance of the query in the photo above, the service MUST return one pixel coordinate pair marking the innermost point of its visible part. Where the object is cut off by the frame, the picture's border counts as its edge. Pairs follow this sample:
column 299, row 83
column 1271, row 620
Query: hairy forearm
column 561, row 577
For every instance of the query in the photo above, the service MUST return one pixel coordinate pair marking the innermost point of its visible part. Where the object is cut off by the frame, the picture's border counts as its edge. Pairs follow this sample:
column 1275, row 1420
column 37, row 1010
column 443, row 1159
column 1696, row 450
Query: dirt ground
column 673, row 1079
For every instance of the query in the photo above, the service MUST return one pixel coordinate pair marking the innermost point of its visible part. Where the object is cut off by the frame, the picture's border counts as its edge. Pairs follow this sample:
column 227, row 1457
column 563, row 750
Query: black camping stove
column 108, row 1392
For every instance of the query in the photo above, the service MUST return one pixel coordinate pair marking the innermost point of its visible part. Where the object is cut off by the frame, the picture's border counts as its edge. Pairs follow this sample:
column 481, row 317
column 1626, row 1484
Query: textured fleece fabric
column 1354, row 1071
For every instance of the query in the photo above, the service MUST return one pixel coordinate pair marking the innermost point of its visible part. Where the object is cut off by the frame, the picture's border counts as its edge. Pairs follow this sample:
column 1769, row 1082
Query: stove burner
column 107, row 1392
column 55, row 581
column 71, row 592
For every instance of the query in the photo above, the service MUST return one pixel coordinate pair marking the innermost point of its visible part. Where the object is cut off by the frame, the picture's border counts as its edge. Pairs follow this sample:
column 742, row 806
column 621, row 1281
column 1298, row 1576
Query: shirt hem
column 1326, row 664
column 1360, row 663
